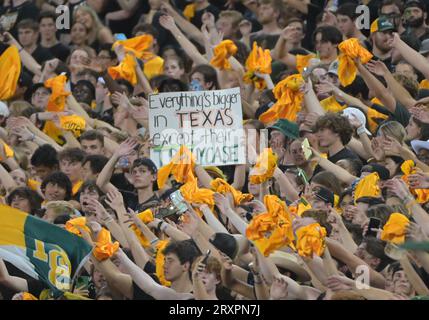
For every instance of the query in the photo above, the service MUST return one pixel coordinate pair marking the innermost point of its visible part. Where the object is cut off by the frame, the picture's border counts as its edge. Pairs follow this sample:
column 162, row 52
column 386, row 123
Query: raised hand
column 392, row 147
column 399, row 188
column 115, row 200
column 338, row 283
column 209, row 20
column 278, row 290
column 377, row 67
column 419, row 180
column 96, row 207
column 420, row 113
column 189, row 224
column 126, row 147
column 167, row 22
column 289, row 33
column 354, row 121
column 416, row 233
column 23, row 133
column 199, row 268
column 221, row 202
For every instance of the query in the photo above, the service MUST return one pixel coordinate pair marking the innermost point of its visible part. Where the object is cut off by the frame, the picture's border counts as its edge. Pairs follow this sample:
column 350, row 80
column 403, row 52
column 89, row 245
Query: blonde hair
column 394, row 130
column 17, row 108
column 95, row 29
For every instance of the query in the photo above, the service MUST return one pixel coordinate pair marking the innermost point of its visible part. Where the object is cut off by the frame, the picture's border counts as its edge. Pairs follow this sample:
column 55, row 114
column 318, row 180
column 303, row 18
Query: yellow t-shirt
column 332, row 105
column 153, row 67
column 76, row 187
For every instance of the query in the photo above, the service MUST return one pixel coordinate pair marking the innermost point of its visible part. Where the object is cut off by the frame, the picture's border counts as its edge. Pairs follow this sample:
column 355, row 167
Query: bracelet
column 32, row 137
column 158, row 227
column 152, row 242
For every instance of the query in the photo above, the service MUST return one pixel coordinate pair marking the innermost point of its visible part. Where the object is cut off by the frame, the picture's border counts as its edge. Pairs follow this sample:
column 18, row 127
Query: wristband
column 158, row 227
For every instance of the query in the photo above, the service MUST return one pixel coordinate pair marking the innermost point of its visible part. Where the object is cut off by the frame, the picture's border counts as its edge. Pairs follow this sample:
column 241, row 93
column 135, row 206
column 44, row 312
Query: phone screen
column 306, row 149
column 120, row 36
column 374, row 223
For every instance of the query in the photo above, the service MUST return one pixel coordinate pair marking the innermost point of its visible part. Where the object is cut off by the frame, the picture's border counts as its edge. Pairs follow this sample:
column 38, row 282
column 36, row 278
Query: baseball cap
column 415, row 3
column 325, row 195
column 349, row 112
column 4, row 110
column 288, row 128
column 382, row 24
column 417, row 145
column 147, row 163
column 30, row 91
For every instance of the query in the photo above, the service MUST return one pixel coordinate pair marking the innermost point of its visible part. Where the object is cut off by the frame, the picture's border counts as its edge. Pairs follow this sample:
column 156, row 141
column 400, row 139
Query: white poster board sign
column 209, row 123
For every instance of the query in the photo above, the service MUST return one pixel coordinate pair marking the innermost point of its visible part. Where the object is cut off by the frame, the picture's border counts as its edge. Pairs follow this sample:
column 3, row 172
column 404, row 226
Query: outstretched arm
column 168, row 23
column 147, row 284
column 17, row 284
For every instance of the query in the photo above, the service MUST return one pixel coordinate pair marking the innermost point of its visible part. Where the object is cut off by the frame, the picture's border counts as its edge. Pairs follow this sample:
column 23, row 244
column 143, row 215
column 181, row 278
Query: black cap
column 32, row 89
column 382, row 171
column 325, row 195
column 415, row 3
column 147, row 163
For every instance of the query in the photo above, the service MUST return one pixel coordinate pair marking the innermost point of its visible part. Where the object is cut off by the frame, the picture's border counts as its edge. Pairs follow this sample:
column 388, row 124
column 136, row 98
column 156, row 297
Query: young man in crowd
column 48, row 37
column 28, row 35
column 183, row 232
column 269, row 13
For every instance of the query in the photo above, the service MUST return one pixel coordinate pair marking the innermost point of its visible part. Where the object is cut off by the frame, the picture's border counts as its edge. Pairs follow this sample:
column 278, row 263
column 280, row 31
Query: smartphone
column 179, row 202
column 305, row 145
column 120, row 36
column 374, row 223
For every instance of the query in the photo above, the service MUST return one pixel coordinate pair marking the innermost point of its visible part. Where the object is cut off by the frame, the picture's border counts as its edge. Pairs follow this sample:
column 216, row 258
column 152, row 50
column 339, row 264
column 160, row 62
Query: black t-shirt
column 315, row 7
column 266, row 41
column 42, row 54
column 402, row 115
column 59, row 51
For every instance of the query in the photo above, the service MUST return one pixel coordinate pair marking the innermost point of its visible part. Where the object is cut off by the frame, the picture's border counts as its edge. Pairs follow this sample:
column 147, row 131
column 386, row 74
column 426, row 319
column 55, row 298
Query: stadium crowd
column 334, row 207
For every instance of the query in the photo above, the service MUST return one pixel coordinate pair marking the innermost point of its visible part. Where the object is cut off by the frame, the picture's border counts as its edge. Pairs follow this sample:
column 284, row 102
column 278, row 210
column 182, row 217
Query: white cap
column 333, row 67
column 4, row 110
column 417, row 145
column 349, row 112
